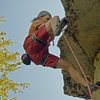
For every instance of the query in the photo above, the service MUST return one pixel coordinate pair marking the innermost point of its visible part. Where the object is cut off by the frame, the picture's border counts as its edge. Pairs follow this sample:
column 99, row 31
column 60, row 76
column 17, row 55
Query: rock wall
column 83, row 33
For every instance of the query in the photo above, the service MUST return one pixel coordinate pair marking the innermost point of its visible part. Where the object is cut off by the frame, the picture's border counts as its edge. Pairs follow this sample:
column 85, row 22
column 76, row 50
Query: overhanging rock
column 83, row 33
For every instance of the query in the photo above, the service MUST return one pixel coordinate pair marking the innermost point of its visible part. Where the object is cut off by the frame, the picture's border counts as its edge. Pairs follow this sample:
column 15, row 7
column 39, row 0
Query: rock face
column 83, row 34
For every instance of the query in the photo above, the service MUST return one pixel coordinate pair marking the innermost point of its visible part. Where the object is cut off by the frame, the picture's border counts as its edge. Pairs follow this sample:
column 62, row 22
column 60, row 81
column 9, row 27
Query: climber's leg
column 52, row 24
column 72, row 71
column 55, row 25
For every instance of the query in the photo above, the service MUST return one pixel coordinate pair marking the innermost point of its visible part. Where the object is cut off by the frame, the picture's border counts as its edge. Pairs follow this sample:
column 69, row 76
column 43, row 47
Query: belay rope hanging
column 77, row 61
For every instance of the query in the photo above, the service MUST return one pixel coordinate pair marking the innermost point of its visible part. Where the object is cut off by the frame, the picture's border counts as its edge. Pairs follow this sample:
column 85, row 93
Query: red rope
column 66, row 39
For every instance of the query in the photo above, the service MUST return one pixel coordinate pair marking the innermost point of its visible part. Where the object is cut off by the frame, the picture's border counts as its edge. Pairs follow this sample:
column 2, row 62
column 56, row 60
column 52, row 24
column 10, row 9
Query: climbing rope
column 76, row 59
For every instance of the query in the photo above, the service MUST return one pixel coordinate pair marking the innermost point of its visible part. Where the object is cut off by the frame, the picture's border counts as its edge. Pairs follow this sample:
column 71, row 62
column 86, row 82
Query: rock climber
column 42, row 31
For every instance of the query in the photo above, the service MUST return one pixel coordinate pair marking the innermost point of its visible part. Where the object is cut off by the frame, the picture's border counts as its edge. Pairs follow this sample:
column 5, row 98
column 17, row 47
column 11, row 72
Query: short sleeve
column 37, row 23
column 34, row 26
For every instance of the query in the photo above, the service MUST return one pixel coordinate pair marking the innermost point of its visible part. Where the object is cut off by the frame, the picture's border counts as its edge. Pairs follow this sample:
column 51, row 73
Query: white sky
column 46, row 83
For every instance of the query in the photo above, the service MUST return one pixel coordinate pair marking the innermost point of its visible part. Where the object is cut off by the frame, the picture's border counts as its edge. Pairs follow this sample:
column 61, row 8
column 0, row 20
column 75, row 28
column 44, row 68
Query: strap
column 45, row 57
column 38, row 40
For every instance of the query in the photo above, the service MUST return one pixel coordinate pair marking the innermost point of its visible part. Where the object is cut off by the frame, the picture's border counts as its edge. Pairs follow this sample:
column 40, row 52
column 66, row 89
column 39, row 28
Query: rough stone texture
column 83, row 33
column 97, row 74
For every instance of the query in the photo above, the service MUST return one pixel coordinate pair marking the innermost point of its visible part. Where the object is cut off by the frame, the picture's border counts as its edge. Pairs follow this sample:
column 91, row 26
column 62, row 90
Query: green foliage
column 2, row 19
column 9, row 62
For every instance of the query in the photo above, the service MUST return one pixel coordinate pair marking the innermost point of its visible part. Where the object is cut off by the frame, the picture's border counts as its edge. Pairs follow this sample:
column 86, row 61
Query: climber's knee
column 52, row 23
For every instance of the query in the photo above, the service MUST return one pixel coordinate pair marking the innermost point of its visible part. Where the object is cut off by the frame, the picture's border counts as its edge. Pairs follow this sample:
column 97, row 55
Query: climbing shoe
column 98, row 84
column 60, row 26
column 95, row 86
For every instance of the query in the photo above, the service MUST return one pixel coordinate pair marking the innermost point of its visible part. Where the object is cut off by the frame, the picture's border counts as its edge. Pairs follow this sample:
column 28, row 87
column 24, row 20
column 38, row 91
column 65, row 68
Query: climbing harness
column 38, row 40
column 76, row 59
column 44, row 59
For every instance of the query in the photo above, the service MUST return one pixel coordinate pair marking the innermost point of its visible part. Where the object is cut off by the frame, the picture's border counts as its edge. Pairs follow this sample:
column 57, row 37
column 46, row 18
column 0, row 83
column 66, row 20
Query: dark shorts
column 37, row 51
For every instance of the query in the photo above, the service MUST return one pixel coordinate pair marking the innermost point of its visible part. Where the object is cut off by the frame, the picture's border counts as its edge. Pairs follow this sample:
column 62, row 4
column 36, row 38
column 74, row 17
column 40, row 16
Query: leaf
column 9, row 62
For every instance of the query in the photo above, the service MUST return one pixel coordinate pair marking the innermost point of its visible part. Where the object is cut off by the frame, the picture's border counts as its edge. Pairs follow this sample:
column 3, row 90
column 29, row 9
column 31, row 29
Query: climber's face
column 45, row 18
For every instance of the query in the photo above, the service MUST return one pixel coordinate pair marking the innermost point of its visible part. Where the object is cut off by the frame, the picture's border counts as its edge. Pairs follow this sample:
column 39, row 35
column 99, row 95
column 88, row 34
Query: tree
column 9, row 62
column 2, row 19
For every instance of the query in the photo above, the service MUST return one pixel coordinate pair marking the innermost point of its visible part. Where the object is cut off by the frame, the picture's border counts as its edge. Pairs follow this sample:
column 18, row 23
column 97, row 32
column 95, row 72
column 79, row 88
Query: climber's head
column 26, row 59
column 44, row 16
column 44, row 13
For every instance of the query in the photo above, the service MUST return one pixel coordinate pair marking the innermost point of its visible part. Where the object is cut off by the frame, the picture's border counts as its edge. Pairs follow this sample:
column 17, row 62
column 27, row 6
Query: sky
column 46, row 83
